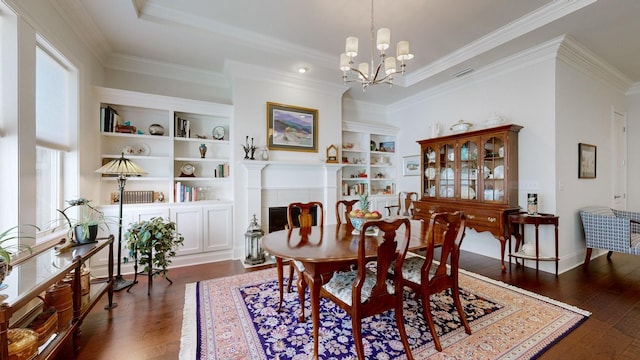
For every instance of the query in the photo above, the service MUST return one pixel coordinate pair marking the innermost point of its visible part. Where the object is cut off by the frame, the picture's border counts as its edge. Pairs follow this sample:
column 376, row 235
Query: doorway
column 619, row 158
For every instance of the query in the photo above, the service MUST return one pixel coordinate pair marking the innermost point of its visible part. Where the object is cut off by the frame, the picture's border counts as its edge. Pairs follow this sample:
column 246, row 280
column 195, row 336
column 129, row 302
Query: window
column 52, row 134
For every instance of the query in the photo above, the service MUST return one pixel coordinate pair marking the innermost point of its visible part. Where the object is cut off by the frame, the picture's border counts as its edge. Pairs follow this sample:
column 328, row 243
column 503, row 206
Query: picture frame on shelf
column 587, row 161
column 411, row 165
column 292, row 128
column 387, row 146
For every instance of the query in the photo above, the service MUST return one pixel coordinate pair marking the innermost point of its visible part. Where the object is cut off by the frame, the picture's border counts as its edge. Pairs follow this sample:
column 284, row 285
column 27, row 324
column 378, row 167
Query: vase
column 203, row 150
column 265, row 154
column 4, row 271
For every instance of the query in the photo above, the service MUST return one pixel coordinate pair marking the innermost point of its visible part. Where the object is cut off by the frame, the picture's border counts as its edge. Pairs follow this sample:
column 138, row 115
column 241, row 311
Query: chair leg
column 290, row 275
column 461, row 313
column 279, row 266
column 426, row 309
column 587, row 258
column 356, row 324
column 609, row 254
column 302, row 286
column 401, row 329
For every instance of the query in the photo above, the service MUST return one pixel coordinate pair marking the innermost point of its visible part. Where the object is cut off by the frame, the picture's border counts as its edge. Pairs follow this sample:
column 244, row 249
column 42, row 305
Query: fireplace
column 278, row 217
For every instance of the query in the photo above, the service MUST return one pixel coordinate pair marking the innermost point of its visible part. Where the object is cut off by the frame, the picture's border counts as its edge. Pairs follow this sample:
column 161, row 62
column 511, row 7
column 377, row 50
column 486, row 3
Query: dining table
column 326, row 249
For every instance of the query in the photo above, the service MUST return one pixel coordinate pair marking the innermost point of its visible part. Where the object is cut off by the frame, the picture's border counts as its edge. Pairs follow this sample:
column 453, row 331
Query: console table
column 517, row 222
column 33, row 275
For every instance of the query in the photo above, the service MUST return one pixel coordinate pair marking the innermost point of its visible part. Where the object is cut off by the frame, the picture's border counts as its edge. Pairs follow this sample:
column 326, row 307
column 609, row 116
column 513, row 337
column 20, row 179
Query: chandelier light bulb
column 390, row 65
column 351, row 48
column 384, row 38
column 344, row 62
column 403, row 51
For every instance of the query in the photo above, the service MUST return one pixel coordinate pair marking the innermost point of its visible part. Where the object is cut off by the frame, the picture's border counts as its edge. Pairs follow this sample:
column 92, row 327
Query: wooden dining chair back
column 405, row 204
column 428, row 275
column 363, row 292
column 344, row 214
column 305, row 222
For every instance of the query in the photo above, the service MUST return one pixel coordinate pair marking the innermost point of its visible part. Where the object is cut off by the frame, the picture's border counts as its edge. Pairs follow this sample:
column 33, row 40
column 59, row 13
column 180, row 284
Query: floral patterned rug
column 236, row 318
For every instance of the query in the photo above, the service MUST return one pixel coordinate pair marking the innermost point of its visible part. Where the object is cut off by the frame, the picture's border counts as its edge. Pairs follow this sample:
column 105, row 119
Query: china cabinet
column 370, row 163
column 476, row 172
column 32, row 276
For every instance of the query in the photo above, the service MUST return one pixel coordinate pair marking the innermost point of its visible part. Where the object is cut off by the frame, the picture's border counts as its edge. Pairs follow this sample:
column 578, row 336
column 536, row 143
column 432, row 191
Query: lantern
column 253, row 250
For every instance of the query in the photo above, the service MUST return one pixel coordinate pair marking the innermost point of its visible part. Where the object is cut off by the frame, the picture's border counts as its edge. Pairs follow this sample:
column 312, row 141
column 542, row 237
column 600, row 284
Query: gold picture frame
column 292, row 128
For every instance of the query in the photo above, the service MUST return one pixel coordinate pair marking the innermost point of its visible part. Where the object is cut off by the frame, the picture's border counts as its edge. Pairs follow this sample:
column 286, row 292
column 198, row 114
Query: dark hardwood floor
column 144, row 327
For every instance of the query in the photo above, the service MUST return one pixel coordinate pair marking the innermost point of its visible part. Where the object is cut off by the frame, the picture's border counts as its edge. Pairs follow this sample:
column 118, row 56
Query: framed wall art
column 586, row 161
column 292, row 128
column 411, row 165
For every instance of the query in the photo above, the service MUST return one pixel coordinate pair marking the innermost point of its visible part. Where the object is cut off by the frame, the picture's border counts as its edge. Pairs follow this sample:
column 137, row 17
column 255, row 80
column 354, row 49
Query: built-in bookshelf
column 370, row 163
column 172, row 139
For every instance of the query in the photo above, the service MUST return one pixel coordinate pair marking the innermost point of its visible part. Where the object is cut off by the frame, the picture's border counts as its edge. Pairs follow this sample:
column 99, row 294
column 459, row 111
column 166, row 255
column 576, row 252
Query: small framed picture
column 411, row 165
column 586, row 161
column 292, row 128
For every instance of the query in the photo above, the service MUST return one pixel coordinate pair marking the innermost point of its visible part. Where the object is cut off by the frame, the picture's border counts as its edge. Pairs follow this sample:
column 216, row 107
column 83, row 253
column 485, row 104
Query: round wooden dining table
column 325, row 249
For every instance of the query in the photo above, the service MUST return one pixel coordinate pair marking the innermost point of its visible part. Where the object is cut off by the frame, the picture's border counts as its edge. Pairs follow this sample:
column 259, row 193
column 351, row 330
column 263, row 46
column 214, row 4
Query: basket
column 45, row 324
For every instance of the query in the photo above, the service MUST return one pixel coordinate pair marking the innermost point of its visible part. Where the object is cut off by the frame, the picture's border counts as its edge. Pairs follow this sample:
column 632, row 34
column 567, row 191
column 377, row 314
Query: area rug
column 235, row 318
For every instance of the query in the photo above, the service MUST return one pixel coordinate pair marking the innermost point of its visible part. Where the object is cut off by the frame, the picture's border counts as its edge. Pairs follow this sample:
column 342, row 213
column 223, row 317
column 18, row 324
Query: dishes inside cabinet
column 432, row 157
column 467, row 193
column 498, row 172
column 446, row 173
column 430, row 173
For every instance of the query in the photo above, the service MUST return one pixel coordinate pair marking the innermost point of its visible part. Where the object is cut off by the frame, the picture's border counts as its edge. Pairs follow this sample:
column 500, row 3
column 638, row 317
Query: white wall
column 252, row 89
column 583, row 115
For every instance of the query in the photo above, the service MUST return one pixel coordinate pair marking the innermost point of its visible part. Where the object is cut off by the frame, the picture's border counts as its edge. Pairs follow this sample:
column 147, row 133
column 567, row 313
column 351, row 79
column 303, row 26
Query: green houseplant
column 7, row 250
column 84, row 228
column 157, row 237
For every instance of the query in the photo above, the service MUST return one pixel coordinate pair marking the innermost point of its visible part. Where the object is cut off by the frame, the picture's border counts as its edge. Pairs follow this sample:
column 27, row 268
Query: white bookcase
column 370, row 163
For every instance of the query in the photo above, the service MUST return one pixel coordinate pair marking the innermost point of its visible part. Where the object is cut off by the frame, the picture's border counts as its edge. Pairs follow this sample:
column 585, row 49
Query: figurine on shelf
column 246, row 147
column 203, row 150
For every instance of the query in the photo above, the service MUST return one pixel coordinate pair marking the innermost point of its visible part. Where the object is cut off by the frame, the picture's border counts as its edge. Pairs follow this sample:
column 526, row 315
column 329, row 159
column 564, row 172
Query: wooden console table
column 517, row 223
column 34, row 275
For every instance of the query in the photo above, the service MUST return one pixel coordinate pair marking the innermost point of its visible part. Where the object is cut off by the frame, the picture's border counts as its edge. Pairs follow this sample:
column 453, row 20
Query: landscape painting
column 292, row 128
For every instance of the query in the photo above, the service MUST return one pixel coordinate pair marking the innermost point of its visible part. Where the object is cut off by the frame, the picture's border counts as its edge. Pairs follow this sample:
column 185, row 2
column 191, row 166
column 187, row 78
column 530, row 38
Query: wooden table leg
column 314, row 286
column 280, row 279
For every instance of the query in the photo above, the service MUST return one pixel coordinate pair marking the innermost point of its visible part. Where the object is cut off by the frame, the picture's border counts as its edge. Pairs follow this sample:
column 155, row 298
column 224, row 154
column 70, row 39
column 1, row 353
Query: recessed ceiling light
column 302, row 69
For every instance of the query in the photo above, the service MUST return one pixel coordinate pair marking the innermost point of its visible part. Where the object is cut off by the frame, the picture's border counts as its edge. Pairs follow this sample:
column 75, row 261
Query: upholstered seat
column 610, row 229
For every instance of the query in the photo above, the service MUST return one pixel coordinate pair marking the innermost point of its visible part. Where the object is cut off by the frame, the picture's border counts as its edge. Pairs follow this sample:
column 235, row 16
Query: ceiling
column 446, row 36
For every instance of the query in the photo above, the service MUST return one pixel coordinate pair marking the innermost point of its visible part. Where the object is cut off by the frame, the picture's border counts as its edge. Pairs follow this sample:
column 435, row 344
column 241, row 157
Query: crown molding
column 166, row 70
column 239, row 70
column 528, row 57
column 532, row 21
column 164, row 15
column 579, row 57
column 77, row 17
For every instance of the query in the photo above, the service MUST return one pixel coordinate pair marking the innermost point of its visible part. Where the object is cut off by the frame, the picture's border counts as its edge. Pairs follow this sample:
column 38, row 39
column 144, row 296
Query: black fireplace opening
column 278, row 217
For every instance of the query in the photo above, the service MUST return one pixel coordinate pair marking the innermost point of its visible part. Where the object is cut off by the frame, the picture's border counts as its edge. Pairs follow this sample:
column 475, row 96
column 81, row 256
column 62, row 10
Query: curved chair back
column 348, row 206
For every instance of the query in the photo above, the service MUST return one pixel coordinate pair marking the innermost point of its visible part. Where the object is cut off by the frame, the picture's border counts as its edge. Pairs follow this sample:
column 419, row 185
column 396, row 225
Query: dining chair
column 348, row 206
column 405, row 204
column 427, row 276
column 364, row 292
column 304, row 222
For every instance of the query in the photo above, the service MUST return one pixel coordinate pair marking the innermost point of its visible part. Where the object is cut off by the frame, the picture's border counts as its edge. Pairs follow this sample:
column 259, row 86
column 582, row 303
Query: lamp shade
column 121, row 167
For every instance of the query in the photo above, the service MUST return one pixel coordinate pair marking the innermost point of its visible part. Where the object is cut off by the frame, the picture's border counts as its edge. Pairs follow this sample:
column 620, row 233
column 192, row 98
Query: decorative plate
column 498, row 172
column 128, row 150
column 430, row 173
column 467, row 192
column 141, row 149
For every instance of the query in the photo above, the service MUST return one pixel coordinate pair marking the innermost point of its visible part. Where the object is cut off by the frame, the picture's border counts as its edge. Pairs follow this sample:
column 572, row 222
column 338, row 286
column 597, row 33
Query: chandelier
column 386, row 68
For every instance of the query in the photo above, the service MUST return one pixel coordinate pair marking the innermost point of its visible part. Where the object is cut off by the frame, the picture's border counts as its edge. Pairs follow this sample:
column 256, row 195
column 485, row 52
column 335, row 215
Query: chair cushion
column 635, row 244
column 298, row 265
column 341, row 284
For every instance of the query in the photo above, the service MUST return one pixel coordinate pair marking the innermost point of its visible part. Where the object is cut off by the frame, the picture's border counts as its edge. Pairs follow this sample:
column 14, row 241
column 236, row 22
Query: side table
column 517, row 222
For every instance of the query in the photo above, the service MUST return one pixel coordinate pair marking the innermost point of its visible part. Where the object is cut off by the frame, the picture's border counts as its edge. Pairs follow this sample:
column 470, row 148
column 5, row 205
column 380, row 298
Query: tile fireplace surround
column 276, row 183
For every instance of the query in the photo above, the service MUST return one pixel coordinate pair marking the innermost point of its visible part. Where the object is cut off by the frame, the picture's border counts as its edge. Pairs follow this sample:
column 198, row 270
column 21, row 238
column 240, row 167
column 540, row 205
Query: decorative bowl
column 461, row 127
column 357, row 222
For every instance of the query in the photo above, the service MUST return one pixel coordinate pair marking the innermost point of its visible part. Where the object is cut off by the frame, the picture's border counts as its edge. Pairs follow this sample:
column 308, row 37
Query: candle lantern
column 253, row 250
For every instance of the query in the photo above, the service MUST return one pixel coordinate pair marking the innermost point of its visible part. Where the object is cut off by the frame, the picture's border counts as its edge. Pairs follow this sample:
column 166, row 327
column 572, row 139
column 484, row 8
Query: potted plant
column 156, row 237
column 84, row 228
column 7, row 250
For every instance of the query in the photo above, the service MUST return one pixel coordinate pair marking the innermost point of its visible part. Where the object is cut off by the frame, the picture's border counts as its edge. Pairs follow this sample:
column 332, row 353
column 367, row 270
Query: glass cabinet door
column 430, row 171
column 447, row 171
column 469, row 170
column 493, row 169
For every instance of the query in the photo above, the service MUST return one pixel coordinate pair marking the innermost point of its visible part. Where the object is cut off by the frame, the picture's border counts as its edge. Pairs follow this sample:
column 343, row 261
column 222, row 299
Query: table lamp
column 123, row 168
